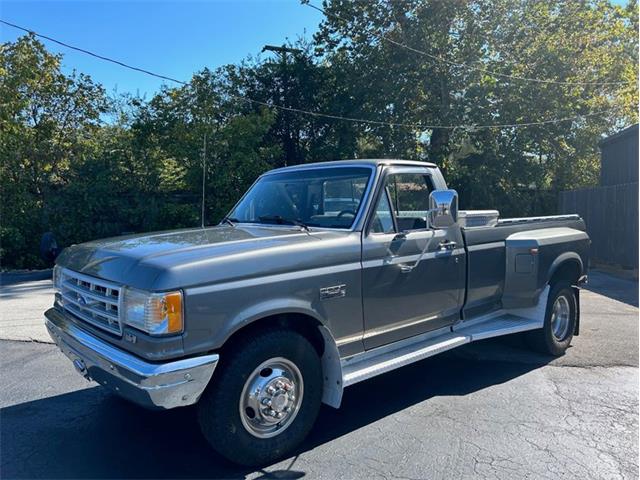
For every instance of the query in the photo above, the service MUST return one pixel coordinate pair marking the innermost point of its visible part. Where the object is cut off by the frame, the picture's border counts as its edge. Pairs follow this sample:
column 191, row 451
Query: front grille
column 92, row 300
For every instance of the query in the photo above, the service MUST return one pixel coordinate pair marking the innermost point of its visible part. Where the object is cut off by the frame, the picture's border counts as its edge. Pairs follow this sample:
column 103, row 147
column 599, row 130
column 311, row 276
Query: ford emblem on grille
column 92, row 300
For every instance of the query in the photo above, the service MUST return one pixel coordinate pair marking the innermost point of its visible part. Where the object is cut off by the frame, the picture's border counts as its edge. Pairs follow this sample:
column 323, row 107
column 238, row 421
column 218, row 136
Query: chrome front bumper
column 152, row 385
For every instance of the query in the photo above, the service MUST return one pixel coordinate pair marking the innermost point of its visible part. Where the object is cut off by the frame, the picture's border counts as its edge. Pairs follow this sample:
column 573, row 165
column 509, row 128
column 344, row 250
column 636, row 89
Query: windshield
column 325, row 197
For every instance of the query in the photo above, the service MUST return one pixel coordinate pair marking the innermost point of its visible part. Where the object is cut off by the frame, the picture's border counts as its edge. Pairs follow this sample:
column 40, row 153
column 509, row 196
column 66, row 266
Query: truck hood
column 184, row 258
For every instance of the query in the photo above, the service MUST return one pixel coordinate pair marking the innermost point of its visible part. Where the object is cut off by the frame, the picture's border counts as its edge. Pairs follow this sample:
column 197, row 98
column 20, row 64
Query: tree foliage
column 85, row 165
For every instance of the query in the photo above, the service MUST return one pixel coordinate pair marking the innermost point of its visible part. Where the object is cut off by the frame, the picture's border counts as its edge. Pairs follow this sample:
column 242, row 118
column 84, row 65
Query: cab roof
column 368, row 162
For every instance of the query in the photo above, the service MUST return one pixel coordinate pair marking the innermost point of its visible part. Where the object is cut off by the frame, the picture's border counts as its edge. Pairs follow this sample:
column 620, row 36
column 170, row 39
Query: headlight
column 57, row 277
column 154, row 313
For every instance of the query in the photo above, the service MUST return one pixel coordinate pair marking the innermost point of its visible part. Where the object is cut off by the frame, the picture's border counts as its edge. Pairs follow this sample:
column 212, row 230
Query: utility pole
column 281, row 50
column 289, row 147
column 204, row 174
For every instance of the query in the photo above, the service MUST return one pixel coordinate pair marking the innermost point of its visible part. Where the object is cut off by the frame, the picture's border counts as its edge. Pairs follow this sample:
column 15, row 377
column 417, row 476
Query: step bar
column 389, row 357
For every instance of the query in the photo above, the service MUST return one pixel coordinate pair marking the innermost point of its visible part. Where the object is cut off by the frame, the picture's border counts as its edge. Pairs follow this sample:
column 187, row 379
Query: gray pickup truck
column 321, row 276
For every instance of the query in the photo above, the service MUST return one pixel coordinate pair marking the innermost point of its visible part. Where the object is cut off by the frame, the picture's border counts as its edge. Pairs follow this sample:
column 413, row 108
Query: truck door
column 413, row 276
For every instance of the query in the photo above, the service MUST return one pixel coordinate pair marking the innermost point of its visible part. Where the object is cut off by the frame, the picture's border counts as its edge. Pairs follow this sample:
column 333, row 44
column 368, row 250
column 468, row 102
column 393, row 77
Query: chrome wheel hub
column 271, row 397
column 560, row 318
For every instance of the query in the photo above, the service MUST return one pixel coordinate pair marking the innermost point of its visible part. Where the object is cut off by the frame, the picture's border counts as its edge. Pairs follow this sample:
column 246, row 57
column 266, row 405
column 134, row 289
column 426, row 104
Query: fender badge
column 335, row 291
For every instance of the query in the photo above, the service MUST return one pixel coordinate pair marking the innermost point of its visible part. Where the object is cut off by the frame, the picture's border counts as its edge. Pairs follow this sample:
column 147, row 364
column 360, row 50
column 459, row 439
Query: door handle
column 446, row 245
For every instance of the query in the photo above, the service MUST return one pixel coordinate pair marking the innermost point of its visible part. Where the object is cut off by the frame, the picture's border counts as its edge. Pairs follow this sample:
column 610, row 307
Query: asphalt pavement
column 22, row 306
column 488, row 410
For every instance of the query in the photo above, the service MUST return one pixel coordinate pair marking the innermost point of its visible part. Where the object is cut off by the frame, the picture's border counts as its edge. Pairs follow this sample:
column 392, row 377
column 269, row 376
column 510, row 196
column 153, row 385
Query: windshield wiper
column 280, row 220
column 230, row 221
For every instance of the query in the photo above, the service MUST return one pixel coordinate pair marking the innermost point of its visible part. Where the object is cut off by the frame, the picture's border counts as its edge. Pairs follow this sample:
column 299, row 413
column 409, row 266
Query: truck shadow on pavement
column 620, row 289
column 91, row 433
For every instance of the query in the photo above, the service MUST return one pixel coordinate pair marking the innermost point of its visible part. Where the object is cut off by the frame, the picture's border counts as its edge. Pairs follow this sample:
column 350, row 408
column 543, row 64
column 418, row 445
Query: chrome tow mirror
column 443, row 208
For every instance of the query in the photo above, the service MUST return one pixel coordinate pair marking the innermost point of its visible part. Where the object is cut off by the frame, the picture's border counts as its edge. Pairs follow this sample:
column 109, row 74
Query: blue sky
column 175, row 38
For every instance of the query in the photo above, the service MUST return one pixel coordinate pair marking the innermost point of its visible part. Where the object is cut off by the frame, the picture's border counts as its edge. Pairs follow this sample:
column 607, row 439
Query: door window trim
column 392, row 170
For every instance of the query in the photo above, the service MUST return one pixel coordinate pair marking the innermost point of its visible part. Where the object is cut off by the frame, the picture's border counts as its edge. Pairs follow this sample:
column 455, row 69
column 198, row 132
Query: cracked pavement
column 489, row 410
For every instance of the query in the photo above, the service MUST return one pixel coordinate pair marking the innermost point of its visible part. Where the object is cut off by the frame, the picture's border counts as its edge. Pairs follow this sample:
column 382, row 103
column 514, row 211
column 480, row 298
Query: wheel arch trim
column 330, row 360
column 563, row 259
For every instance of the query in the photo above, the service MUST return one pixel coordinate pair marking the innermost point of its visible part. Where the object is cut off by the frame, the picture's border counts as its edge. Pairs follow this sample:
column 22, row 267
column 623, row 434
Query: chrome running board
column 496, row 327
column 389, row 357
column 382, row 359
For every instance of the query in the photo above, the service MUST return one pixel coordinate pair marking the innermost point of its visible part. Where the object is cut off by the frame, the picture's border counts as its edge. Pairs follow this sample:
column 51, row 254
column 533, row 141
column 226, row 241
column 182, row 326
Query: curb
column 21, row 276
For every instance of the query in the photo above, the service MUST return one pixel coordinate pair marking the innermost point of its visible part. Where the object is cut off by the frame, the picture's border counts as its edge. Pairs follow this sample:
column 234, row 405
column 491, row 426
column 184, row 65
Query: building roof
column 632, row 130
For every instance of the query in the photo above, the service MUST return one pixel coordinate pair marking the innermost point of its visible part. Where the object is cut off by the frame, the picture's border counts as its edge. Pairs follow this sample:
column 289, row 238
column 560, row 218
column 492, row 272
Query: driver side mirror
column 443, row 208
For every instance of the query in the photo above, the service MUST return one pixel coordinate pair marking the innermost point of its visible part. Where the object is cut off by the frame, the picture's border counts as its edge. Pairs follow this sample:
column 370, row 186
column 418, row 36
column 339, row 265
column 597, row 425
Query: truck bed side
column 487, row 262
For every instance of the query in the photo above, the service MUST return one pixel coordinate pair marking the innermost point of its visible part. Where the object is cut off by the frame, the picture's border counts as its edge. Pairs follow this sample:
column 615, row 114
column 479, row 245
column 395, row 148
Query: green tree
column 297, row 81
column 177, row 122
column 84, row 165
column 48, row 119
column 447, row 82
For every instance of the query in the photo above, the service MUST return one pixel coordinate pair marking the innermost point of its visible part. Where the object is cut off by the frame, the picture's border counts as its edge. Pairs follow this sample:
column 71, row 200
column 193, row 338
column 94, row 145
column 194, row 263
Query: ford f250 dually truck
column 322, row 276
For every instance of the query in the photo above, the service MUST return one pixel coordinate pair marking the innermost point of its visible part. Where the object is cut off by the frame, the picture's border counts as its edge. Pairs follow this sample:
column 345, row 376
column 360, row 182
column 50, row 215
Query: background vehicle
column 262, row 318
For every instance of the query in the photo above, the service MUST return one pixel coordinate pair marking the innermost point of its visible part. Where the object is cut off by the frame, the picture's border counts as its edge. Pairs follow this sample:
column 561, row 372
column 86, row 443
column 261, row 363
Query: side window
column 383, row 220
column 410, row 198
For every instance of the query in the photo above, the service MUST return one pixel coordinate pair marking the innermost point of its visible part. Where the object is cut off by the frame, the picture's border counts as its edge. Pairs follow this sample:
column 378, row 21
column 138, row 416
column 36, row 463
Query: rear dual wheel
column 559, row 323
column 263, row 399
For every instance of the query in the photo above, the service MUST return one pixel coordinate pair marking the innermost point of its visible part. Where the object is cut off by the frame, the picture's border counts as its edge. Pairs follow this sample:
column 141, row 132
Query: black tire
column 544, row 340
column 219, row 407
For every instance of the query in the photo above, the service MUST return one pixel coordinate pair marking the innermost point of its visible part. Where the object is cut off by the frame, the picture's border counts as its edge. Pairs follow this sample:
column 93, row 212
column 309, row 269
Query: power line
column 419, row 126
column 464, row 65
column 414, row 126
column 82, row 50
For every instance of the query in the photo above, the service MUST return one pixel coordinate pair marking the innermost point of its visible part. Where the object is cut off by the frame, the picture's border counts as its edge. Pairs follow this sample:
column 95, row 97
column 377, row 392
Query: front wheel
column 559, row 322
column 264, row 399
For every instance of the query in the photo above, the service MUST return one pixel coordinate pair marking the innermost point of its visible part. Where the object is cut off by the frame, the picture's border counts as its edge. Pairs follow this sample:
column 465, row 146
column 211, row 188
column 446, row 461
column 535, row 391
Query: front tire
column 559, row 323
column 263, row 399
